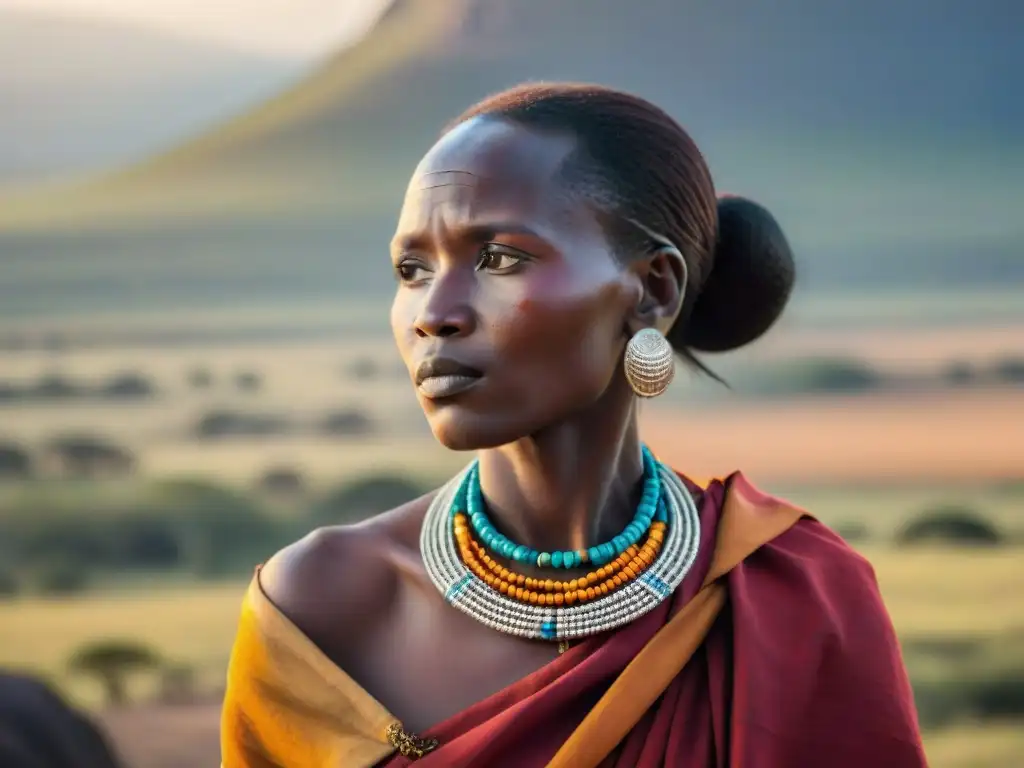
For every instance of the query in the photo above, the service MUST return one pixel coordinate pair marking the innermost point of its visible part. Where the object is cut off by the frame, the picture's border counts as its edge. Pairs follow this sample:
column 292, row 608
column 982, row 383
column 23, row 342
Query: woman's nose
column 447, row 309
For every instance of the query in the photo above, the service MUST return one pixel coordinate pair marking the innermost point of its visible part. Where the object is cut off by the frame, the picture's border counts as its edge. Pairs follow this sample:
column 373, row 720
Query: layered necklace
column 627, row 576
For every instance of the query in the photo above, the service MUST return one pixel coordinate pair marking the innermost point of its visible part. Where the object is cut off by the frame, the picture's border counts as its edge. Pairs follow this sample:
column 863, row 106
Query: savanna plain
column 143, row 481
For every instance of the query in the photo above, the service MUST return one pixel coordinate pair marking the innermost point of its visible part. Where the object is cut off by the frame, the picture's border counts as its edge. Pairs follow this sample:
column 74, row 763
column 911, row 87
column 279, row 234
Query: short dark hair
column 642, row 165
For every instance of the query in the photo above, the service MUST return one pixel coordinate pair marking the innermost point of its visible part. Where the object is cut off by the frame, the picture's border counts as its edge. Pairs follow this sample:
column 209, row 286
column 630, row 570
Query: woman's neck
column 573, row 485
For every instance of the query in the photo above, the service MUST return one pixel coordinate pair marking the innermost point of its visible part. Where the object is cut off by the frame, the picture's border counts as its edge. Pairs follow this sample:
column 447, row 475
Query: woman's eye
column 498, row 259
column 409, row 271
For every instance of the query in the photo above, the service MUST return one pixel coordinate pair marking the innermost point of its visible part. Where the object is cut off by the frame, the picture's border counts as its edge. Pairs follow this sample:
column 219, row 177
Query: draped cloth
column 796, row 664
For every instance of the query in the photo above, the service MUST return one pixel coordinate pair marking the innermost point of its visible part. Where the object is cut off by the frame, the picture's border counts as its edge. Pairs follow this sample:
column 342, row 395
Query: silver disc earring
column 649, row 363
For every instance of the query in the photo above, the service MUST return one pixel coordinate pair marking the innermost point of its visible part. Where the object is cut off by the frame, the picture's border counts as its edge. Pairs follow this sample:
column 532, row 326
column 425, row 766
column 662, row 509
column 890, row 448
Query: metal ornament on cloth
column 649, row 363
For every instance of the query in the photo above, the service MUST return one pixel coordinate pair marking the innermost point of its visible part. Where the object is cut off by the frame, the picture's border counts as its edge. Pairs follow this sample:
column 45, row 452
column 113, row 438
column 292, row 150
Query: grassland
column 933, row 594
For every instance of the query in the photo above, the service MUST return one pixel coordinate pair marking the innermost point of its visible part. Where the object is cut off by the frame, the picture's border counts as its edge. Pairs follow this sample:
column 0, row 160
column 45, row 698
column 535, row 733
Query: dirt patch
column 166, row 736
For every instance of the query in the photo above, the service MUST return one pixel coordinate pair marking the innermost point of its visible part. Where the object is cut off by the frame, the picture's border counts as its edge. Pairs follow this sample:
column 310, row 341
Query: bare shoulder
column 343, row 578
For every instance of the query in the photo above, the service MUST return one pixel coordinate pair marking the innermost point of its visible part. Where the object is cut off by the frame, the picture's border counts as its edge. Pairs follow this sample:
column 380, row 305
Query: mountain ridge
column 881, row 138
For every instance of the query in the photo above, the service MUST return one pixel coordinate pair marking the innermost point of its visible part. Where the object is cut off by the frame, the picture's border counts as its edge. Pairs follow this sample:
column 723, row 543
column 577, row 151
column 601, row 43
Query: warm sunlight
column 291, row 28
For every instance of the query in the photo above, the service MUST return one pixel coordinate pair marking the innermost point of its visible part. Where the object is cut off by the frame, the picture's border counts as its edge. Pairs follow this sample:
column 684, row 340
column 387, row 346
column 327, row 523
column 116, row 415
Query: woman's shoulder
column 336, row 574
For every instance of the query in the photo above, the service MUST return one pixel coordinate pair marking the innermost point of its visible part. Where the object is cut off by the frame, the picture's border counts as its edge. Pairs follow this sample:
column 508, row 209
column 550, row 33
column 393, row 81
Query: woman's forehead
column 489, row 170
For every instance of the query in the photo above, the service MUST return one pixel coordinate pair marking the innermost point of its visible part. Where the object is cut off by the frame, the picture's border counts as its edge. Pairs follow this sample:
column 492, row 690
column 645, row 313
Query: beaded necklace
column 634, row 572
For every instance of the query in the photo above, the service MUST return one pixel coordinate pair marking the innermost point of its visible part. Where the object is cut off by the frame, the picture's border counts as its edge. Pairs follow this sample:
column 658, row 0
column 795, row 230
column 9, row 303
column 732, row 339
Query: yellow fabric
column 748, row 521
column 289, row 706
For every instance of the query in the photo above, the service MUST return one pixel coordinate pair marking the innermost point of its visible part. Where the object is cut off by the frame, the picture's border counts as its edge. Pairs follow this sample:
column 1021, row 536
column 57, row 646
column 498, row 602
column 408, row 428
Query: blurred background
column 196, row 366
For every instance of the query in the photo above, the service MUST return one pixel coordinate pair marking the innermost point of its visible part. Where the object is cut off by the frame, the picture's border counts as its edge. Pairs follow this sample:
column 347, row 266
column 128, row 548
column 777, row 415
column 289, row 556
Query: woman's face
column 511, row 307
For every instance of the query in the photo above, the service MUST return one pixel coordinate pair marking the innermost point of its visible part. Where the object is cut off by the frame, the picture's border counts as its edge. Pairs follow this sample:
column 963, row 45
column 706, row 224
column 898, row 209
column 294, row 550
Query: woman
column 562, row 602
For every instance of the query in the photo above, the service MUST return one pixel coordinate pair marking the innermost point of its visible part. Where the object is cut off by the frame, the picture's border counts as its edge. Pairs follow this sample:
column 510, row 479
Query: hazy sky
column 294, row 28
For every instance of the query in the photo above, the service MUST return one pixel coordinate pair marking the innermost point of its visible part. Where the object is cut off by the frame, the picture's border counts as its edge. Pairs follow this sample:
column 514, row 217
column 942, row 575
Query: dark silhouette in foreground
column 38, row 729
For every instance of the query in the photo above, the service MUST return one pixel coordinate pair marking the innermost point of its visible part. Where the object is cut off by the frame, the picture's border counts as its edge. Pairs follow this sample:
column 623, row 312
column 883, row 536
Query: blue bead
column 556, row 560
column 619, row 542
column 507, row 548
column 594, row 555
column 531, row 556
column 544, row 559
column 520, row 553
column 569, row 560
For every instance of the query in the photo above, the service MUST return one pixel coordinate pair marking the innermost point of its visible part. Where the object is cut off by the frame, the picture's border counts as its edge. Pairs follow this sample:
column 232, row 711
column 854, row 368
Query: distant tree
column 112, row 662
column 55, row 386
column 128, row 386
column 222, row 424
column 959, row 373
column 200, row 378
column 61, row 579
column 950, row 525
column 853, row 531
column 10, row 392
column 9, row 584
column 285, row 481
column 365, row 497
column 15, row 462
column 248, row 381
column 1009, row 370
column 346, row 423
column 363, row 369
column 812, row 376
column 88, row 456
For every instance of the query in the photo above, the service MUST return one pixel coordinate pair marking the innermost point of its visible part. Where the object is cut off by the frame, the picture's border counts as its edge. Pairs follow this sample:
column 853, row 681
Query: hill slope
column 881, row 135
column 77, row 94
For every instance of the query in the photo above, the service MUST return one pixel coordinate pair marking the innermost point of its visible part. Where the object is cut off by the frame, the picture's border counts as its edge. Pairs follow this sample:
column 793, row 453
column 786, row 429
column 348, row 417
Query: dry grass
column 932, row 593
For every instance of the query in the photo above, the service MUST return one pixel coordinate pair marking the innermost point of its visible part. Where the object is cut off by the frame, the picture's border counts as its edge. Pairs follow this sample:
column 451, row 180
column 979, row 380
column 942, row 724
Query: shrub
column 364, row 498
column 61, row 579
column 15, row 462
column 248, row 381
column 853, row 532
column 959, row 373
column 950, row 525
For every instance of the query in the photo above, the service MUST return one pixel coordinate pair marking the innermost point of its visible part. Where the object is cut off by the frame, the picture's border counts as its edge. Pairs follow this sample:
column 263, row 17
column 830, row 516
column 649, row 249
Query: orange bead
column 503, row 587
column 603, row 589
column 558, row 587
column 550, row 598
column 617, row 580
column 549, row 585
column 581, row 595
column 520, row 579
column 629, row 572
column 591, row 594
column 559, row 598
column 570, row 598
column 574, row 585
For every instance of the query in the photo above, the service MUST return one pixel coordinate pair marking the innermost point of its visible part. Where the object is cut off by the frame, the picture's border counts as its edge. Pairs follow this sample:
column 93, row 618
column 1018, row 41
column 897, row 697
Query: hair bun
column 751, row 279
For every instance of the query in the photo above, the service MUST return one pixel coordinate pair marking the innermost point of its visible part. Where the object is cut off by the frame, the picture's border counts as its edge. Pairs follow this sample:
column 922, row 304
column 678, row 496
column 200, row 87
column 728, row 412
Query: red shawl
column 802, row 668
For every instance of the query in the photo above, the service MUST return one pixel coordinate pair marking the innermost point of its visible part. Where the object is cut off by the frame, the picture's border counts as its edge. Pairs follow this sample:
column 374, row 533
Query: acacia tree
column 112, row 662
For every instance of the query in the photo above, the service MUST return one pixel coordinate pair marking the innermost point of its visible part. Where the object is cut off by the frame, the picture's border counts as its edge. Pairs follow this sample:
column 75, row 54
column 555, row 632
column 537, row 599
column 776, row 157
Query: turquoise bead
column 651, row 507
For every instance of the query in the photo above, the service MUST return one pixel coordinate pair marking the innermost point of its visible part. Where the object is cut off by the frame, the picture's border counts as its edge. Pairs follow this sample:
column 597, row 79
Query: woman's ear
column 663, row 276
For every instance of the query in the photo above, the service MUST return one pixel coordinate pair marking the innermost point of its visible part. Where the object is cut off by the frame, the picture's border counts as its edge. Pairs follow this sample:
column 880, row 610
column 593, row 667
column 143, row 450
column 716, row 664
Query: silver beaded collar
column 467, row 592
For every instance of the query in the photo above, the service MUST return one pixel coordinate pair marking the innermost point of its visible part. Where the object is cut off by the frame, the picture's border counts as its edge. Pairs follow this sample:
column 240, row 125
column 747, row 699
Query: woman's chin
column 470, row 431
